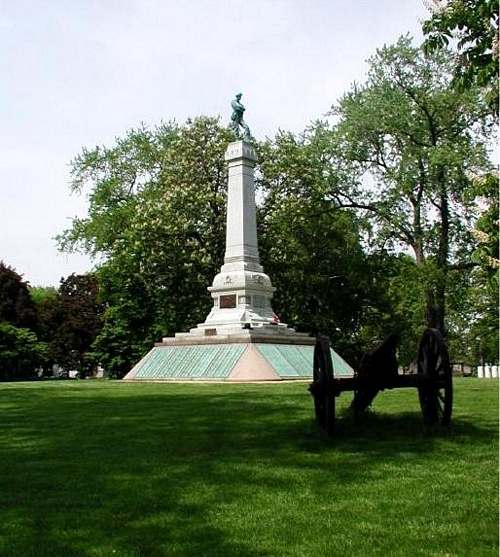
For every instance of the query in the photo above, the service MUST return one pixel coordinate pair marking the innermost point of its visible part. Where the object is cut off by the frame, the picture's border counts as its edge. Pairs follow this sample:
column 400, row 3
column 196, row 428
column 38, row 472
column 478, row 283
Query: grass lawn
column 102, row 468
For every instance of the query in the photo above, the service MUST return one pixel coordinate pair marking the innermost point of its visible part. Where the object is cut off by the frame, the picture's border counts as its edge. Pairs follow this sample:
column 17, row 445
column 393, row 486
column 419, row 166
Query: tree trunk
column 432, row 318
column 443, row 252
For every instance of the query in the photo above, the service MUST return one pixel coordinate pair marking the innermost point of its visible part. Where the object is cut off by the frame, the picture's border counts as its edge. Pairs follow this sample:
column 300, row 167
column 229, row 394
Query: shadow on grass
column 380, row 434
column 160, row 470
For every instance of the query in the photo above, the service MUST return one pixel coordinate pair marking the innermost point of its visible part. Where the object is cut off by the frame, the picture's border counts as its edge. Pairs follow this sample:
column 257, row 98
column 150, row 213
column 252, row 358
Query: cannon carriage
column 379, row 371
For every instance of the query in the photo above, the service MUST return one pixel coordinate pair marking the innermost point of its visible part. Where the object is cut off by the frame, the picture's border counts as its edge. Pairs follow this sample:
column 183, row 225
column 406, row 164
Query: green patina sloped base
column 231, row 362
column 189, row 362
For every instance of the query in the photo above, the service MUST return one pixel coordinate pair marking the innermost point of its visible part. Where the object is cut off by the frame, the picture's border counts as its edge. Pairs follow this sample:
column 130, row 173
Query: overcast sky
column 77, row 73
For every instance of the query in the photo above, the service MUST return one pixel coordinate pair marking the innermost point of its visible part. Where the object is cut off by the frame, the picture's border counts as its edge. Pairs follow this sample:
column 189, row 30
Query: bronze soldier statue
column 237, row 119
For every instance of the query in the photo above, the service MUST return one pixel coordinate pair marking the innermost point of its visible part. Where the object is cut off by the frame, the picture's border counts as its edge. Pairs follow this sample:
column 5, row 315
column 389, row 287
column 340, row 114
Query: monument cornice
column 241, row 150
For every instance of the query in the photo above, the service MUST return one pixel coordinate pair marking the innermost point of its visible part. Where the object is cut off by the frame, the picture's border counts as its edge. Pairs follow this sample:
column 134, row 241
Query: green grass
column 91, row 468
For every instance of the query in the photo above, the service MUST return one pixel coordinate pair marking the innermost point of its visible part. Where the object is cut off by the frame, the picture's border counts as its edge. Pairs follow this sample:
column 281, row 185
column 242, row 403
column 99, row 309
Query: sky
column 80, row 73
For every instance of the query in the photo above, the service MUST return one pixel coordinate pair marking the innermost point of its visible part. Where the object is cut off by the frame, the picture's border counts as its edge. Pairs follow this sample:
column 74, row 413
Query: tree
column 474, row 26
column 76, row 319
column 45, row 299
column 486, row 229
column 157, row 219
column 310, row 247
column 42, row 295
column 113, row 178
column 483, row 316
column 473, row 323
column 396, row 306
column 21, row 353
column 407, row 144
column 16, row 305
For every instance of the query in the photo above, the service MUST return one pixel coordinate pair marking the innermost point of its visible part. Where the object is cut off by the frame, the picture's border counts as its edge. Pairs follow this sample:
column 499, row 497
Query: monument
column 241, row 338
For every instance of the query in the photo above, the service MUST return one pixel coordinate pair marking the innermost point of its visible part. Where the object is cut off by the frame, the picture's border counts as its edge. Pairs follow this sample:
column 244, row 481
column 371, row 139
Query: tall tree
column 471, row 27
column 407, row 143
column 473, row 24
column 157, row 218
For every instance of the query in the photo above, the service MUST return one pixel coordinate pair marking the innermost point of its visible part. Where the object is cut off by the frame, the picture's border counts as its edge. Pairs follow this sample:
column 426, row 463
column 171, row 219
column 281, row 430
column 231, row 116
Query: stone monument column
column 241, row 225
column 241, row 292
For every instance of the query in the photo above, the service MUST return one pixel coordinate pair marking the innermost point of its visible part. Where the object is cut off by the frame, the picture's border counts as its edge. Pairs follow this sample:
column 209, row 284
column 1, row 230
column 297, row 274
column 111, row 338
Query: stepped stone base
column 248, row 356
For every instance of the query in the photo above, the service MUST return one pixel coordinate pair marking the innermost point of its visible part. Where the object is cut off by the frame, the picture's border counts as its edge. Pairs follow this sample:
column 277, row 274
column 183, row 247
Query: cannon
column 379, row 371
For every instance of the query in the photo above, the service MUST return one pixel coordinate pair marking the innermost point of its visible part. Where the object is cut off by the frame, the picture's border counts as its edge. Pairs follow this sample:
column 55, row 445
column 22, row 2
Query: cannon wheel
column 435, row 390
column 324, row 400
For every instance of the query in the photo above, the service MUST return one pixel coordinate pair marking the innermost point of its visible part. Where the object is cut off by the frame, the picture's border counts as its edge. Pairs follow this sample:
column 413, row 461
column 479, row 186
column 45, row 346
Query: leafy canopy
column 408, row 144
column 474, row 26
